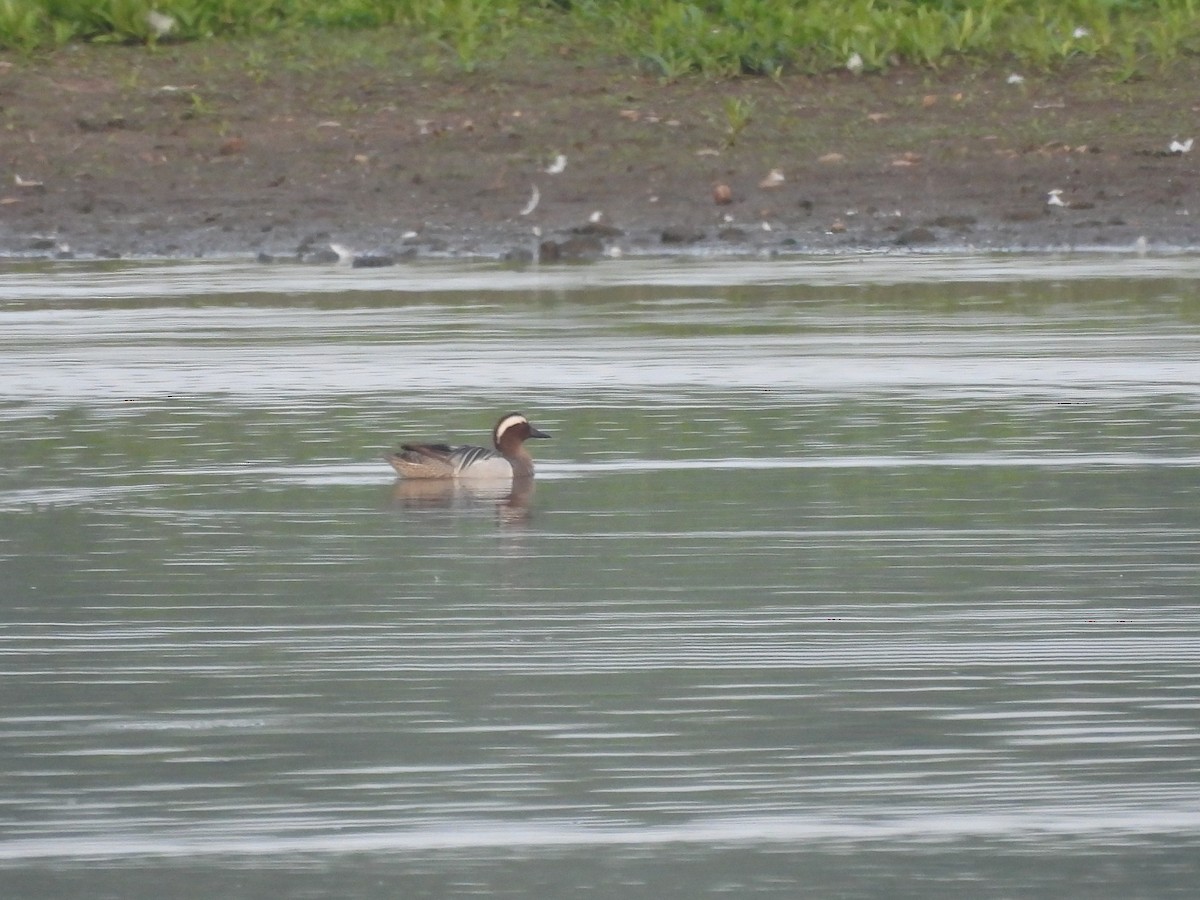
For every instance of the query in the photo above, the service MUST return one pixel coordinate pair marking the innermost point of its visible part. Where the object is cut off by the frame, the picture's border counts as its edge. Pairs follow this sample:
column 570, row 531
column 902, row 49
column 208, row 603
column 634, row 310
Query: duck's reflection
column 510, row 498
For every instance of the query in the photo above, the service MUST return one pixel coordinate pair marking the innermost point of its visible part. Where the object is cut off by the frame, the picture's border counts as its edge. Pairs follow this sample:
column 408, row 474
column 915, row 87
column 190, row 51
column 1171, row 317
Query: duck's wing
column 423, row 460
column 442, row 460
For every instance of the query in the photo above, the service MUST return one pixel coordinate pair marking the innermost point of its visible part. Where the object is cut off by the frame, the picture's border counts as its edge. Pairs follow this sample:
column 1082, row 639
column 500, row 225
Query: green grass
column 721, row 38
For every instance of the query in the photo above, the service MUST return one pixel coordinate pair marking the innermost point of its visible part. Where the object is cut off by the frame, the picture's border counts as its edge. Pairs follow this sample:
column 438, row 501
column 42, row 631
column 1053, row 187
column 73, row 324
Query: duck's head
column 512, row 430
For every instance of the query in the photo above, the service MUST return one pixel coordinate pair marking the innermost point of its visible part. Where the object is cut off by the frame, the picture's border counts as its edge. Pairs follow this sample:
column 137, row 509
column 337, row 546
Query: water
column 854, row 578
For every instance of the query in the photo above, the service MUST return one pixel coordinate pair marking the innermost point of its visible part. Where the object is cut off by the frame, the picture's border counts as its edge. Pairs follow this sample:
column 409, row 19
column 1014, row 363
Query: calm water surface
column 854, row 578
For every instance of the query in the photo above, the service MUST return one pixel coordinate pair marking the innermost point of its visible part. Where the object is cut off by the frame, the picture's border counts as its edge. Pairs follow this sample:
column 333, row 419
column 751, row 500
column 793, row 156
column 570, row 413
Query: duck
column 509, row 459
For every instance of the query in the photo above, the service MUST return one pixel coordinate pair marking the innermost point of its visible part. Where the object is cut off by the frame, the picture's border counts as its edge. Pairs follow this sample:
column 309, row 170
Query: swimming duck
column 510, row 459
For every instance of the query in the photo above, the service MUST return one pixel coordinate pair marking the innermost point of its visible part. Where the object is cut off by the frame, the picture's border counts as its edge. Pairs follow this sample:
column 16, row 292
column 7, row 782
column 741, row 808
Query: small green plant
column 23, row 27
column 928, row 39
column 468, row 28
column 198, row 107
column 124, row 20
column 258, row 64
column 739, row 112
column 1127, row 66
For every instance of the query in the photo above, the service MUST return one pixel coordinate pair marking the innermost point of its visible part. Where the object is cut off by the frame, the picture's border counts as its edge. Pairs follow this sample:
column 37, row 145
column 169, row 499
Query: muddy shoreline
column 116, row 153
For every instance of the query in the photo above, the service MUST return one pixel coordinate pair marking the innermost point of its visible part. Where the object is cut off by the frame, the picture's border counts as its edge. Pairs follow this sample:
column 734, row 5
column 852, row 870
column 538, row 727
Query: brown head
column 510, row 435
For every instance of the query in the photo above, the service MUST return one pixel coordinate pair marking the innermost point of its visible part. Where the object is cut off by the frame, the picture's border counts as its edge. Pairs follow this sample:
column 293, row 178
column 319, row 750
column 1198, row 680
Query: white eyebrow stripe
column 508, row 422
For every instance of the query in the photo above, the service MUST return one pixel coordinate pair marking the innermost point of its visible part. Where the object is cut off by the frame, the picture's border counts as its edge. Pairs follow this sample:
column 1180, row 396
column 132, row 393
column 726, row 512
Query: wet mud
column 197, row 151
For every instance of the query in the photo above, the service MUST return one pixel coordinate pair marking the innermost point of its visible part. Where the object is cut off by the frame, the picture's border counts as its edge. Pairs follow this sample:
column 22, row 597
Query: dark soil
column 245, row 149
